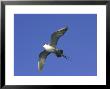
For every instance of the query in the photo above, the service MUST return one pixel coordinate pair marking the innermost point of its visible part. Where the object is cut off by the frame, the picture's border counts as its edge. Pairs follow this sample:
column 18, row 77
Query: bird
column 52, row 47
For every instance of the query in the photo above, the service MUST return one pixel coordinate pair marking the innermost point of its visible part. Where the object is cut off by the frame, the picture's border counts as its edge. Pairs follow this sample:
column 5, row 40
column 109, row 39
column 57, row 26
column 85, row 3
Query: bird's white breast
column 49, row 48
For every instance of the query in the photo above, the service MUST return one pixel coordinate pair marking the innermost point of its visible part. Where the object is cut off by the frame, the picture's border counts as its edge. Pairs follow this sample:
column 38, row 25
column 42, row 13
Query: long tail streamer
column 67, row 58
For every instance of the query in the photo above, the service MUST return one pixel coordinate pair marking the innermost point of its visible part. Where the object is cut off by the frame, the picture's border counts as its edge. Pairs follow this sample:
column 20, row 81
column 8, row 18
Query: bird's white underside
column 48, row 48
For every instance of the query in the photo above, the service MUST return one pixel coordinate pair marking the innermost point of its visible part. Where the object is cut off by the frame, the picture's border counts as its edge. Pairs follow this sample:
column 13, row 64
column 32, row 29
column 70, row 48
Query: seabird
column 51, row 48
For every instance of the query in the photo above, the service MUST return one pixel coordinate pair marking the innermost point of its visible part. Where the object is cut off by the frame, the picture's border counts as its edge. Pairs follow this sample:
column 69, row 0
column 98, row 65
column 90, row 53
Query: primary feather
column 56, row 35
column 42, row 57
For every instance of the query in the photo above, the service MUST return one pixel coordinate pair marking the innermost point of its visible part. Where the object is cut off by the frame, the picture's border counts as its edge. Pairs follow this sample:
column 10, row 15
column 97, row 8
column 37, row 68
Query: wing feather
column 42, row 57
column 56, row 35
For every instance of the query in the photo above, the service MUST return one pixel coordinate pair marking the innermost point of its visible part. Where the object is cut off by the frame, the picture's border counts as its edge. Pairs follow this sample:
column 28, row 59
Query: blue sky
column 32, row 31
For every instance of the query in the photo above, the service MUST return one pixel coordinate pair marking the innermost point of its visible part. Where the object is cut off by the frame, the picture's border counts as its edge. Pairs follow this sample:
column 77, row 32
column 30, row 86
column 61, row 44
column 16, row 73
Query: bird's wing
column 42, row 57
column 56, row 35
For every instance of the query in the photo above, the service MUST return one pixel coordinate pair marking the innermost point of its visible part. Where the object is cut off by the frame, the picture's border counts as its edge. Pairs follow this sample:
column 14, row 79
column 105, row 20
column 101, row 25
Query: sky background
column 32, row 31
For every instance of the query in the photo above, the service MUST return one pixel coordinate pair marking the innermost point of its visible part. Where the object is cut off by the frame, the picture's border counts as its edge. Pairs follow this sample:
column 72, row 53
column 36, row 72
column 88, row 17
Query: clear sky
column 32, row 31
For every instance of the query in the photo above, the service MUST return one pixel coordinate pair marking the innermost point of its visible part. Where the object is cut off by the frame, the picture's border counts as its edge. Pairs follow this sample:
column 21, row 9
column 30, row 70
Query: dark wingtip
column 40, row 66
column 66, row 27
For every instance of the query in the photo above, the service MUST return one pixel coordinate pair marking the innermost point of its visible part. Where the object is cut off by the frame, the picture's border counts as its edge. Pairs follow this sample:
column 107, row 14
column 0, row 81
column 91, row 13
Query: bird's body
column 51, row 48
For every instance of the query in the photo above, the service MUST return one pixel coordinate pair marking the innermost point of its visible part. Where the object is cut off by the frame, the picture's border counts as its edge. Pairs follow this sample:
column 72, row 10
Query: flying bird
column 51, row 48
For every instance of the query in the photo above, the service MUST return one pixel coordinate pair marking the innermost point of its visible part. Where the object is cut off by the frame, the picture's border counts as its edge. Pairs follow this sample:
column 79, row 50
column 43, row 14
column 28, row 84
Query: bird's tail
column 67, row 58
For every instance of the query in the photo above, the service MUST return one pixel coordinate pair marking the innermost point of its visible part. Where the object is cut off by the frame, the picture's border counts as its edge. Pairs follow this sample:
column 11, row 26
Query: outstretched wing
column 42, row 57
column 56, row 35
